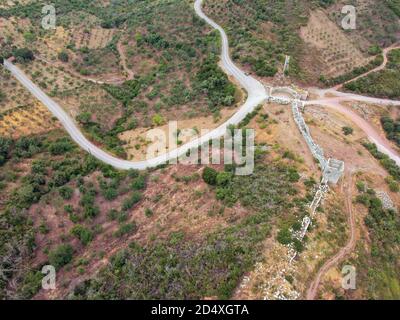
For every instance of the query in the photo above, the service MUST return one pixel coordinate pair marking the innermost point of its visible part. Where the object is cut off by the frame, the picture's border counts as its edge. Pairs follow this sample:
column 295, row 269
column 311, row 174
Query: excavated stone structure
column 332, row 169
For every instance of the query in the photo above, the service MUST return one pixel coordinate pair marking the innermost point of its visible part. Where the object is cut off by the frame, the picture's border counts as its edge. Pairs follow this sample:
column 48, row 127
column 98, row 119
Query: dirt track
column 313, row 288
column 381, row 67
column 129, row 72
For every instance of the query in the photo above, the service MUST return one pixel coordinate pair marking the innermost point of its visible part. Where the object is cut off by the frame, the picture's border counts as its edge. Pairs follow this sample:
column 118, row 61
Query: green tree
column 210, row 176
column 63, row 56
column 61, row 255
column 66, row 192
column 347, row 130
column 83, row 234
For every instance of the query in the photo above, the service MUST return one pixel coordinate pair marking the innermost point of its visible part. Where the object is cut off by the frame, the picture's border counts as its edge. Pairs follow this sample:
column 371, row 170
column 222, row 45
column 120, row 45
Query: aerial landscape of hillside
column 199, row 150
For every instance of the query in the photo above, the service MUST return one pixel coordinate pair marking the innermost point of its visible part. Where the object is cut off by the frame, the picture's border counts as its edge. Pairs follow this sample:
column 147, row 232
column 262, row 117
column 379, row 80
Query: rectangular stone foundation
column 333, row 171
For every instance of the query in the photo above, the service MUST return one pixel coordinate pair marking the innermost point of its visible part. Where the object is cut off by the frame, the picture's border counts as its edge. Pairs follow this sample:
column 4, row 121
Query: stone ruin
column 315, row 149
column 387, row 202
column 333, row 171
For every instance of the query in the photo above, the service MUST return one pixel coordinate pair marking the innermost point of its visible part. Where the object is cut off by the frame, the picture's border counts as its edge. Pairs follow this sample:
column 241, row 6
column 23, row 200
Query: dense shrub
column 63, row 56
column 139, row 183
column 384, row 83
column 61, row 146
column 2, row 96
column 392, row 129
column 66, row 192
column 83, row 234
column 223, row 178
column 210, row 176
column 347, row 130
column 5, row 148
column 284, row 236
column 390, row 165
column 214, row 82
column 61, row 255
column 125, row 229
column 23, row 54
column 378, row 268
column 131, row 201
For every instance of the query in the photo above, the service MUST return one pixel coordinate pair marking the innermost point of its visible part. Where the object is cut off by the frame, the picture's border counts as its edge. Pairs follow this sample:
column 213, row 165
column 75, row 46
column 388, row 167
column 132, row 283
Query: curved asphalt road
column 255, row 90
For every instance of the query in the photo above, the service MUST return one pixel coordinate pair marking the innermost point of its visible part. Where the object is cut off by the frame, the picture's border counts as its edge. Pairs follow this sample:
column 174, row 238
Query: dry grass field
column 338, row 52
column 13, row 92
column 24, row 121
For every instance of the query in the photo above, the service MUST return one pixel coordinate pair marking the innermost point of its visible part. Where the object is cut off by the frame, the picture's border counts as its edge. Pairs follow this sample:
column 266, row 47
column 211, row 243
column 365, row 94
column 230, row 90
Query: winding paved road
column 256, row 95
column 255, row 90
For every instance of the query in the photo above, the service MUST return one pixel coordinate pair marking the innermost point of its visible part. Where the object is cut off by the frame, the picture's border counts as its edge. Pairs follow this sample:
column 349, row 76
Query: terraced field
column 25, row 121
column 339, row 53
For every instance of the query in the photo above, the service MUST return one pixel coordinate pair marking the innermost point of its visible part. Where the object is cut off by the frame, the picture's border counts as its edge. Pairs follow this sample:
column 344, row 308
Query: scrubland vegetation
column 173, row 60
column 390, row 165
column 218, row 260
column 265, row 32
column 58, row 205
column 384, row 83
column 56, row 168
column 378, row 268
column 392, row 129
column 268, row 30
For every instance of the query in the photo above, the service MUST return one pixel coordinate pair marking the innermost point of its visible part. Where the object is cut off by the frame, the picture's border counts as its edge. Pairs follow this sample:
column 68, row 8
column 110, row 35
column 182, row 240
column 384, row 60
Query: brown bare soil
column 137, row 140
column 177, row 206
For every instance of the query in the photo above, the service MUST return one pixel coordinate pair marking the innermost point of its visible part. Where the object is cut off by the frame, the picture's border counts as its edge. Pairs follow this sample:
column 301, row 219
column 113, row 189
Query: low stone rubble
column 387, row 202
column 332, row 169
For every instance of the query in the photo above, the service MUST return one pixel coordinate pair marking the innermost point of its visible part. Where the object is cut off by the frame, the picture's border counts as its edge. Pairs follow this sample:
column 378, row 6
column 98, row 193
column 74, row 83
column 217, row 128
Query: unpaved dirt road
column 381, row 67
column 313, row 288
column 129, row 73
column 373, row 135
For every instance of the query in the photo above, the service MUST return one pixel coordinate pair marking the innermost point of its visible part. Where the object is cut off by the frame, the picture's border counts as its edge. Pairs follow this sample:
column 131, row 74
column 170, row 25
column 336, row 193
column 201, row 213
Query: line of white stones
column 317, row 152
